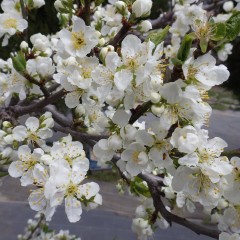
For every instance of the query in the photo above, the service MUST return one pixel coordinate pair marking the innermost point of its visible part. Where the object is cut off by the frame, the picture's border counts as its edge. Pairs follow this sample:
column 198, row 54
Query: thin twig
column 36, row 227
column 25, row 16
column 34, row 81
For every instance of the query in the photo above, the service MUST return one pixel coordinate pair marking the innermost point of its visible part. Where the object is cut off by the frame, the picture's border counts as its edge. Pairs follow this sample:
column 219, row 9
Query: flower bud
column 101, row 41
column 228, row 6
column 142, row 8
column 145, row 26
column 24, row 45
column 155, row 97
column 7, row 124
column 80, row 110
column 121, row 7
column 58, row 4
column 38, row 3
column 103, row 52
column 157, row 110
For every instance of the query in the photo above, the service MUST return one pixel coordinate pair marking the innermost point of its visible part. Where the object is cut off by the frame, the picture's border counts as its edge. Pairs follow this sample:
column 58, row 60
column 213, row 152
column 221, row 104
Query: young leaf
column 184, row 49
column 233, row 26
column 218, row 31
column 158, row 37
column 19, row 62
column 177, row 62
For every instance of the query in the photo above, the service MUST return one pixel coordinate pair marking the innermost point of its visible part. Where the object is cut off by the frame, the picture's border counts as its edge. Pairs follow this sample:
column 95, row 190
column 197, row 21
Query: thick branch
column 22, row 110
column 139, row 111
column 87, row 12
column 168, row 216
column 83, row 137
column 121, row 34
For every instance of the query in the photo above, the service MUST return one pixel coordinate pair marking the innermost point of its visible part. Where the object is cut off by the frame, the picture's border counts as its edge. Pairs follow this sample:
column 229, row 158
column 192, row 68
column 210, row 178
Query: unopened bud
column 155, row 97
column 7, row 124
column 228, row 6
column 157, row 110
column 145, row 26
column 121, row 7
column 58, row 4
column 101, row 41
column 24, row 45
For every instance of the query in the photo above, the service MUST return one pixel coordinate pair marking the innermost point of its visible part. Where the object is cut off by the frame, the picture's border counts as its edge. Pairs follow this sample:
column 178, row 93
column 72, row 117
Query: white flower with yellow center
column 36, row 130
column 25, row 165
column 136, row 158
column 80, row 41
column 65, row 184
column 81, row 74
column 232, row 192
column 37, row 199
column 230, row 220
column 10, row 23
column 197, row 186
column 204, row 72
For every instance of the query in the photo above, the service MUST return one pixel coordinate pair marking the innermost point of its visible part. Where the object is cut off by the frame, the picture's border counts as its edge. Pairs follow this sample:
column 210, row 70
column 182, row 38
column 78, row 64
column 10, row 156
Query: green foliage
column 184, row 49
column 139, row 188
column 158, row 36
column 177, row 62
column 2, row 174
column 233, row 26
column 19, row 62
column 218, row 31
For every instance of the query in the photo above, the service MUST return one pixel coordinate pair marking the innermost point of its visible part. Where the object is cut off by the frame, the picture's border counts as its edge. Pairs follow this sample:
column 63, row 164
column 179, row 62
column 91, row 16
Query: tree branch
column 155, row 191
column 36, row 227
column 83, row 137
column 87, row 12
column 25, row 16
column 22, row 110
column 139, row 111
column 121, row 34
column 41, row 86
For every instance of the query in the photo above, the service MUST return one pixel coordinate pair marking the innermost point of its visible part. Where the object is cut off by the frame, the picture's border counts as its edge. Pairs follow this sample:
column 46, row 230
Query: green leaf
column 218, row 31
column 98, row 2
column 19, row 62
column 184, row 49
column 177, row 62
column 159, row 36
column 233, row 26
column 203, row 44
column 2, row 174
column 139, row 188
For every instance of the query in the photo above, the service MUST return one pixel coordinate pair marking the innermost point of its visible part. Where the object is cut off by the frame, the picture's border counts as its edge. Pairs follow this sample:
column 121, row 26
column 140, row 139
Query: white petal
column 32, row 124
column 20, row 133
column 73, row 209
column 37, row 200
column 72, row 99
column 121, row 118
column 16, row 169
column 122, row 79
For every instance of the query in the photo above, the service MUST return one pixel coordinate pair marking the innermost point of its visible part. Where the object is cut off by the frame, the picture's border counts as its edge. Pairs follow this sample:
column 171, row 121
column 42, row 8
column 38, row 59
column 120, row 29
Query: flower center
column 10, row 23
column 135, row 157
column 32, row 136
column 78, row 40
column 72, row 189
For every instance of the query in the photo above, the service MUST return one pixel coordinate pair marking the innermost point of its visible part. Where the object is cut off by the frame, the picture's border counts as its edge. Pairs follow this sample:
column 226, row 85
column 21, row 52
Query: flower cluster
column 136, row 96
